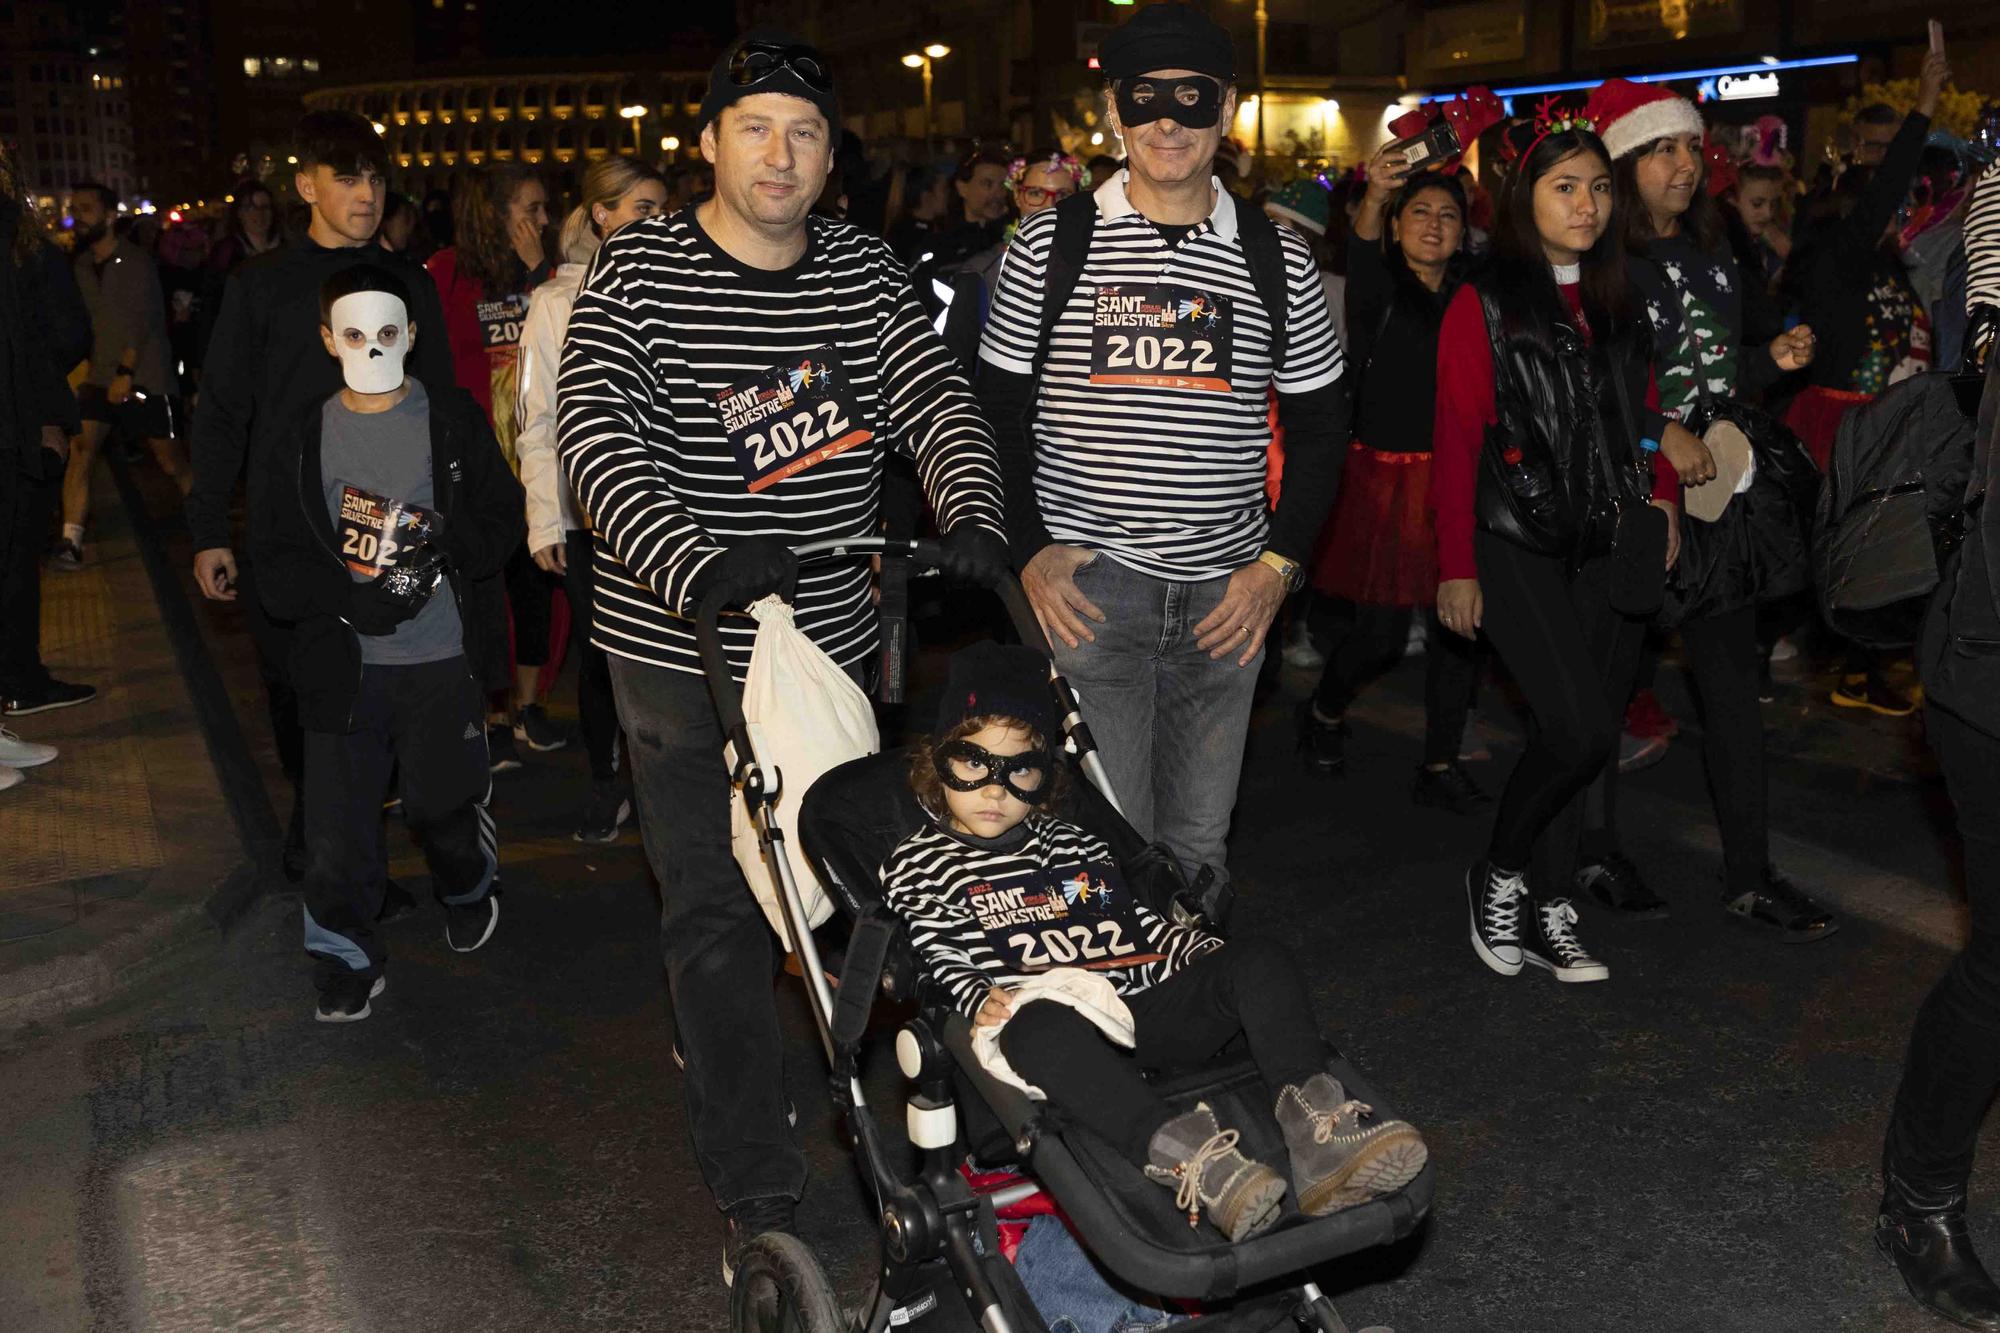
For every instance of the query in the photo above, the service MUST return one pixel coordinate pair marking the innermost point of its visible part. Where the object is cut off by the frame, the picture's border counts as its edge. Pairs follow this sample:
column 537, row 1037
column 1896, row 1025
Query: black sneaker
column 1448, row 788
column 1495, row 899
column 609, row 805
column 469, row 925
column 1874, row 695
column 501, row 754
column 344, row 996
column 1552, row 945
column 397, row 903
column 752, row 1218
column 1322, row 744
column 1614, row 882
column 1780, row 909
column 52, row 695
column 533, row 729
column 66, row 556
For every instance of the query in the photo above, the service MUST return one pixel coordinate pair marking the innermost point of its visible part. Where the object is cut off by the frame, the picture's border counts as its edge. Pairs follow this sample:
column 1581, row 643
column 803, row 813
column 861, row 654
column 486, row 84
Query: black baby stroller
column 941, row 1267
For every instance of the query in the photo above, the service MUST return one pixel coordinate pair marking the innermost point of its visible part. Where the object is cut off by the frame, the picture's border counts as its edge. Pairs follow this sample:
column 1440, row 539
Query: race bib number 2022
column 794, row 415
column 1077, row 916
column 1161, row 337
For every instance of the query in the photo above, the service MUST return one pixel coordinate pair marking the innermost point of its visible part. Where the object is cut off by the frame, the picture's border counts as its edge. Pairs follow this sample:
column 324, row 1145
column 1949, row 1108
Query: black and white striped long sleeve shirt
column 993, row 912
column 703, row 401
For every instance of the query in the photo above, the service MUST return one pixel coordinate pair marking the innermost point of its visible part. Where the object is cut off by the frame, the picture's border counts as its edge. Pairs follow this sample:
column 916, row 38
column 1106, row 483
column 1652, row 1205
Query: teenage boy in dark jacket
column 382, row 508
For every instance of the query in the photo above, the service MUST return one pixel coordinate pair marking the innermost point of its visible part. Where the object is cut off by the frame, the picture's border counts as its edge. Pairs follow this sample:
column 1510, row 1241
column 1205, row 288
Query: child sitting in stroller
column 1001, row 898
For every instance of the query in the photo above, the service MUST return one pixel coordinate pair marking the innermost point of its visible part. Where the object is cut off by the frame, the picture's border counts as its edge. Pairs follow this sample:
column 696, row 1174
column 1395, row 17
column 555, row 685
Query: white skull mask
column 371, row 334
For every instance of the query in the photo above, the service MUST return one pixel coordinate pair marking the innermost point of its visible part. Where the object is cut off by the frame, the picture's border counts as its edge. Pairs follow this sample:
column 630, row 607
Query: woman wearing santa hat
column 1715, row 335
column 1546, row 421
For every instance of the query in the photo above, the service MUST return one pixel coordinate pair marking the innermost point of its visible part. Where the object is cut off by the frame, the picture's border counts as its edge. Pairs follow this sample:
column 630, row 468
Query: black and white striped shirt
column 1169, row 481
column 668, row 323
column 992, row 912
column 1982, row 241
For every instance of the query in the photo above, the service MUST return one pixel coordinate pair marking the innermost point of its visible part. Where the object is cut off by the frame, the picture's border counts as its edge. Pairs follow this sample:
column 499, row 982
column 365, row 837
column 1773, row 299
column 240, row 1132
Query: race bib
column 791, row 417
column 375, row 530
column 500, row 321
column 1079, row 916
column 1164, row 337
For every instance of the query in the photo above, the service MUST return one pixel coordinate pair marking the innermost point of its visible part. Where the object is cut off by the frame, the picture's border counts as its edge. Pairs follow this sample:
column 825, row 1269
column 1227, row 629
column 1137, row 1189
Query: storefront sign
column 1743, row 87
column 1608, row 23
column 1488, row 33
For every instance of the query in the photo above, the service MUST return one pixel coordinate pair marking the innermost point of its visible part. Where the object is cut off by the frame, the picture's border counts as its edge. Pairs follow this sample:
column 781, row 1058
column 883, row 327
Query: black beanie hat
column 1171, row 36
column 722, row 93
column 1004, row 680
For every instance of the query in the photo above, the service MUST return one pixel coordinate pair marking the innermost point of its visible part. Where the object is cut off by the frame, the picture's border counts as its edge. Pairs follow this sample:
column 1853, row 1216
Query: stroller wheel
column 779, row 1288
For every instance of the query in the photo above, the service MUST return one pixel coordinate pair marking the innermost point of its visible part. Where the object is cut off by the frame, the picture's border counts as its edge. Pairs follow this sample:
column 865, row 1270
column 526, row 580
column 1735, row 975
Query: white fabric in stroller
column 805, row 716
column 1088, row 993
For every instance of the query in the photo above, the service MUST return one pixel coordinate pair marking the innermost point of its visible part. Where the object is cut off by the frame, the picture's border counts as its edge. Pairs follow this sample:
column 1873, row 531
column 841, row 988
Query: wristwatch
column 1291, row 571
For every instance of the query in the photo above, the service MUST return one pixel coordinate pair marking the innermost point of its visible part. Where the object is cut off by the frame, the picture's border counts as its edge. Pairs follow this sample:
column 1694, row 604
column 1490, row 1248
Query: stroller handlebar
column 921, row 551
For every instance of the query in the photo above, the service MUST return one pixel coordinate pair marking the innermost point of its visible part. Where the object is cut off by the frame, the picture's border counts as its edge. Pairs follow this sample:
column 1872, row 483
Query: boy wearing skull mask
column 396, row 501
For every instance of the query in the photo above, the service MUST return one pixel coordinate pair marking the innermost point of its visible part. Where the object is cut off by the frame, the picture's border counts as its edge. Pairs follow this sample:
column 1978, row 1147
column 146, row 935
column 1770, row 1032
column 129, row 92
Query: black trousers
column 529, row 593
column 596, row 707
column 1572, row 656
column 25, row 505
column 1249, row 988
column 273, row 641
column 1953, row 1067
column 1367, row 641
column 429, row 722
column 717, row 945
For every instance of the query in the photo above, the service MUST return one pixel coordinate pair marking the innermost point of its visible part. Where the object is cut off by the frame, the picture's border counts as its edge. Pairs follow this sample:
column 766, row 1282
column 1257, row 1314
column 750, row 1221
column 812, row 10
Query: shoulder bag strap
column 1076, row 220
column 1265, row 255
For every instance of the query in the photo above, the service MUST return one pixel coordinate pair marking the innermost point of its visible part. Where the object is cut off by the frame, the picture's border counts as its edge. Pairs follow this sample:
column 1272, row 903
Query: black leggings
column 1572, row 656
column 1724, row 656
column 1369, row 640
column 529, row 590
column 597, row 709
column 1250, row 987
column 1954, row 1062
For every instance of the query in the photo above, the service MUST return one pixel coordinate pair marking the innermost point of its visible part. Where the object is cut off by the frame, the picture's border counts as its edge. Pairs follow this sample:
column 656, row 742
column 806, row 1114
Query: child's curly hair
column 929, row 788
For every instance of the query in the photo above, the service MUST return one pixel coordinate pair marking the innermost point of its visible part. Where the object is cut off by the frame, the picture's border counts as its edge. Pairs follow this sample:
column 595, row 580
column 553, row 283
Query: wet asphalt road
column 1689, row 1147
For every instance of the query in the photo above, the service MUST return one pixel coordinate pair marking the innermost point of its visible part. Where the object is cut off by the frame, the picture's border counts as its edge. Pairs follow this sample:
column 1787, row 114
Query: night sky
column 523, row 28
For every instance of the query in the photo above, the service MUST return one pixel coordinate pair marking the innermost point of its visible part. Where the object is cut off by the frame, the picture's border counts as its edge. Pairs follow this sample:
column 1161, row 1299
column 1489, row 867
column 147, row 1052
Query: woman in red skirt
column 1378, row 564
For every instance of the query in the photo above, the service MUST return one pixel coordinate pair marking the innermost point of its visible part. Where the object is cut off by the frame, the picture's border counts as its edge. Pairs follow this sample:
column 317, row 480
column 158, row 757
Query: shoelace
column 1323, row 1121
column 1558, row 918
column 1502, row 906
column 1187, row 1197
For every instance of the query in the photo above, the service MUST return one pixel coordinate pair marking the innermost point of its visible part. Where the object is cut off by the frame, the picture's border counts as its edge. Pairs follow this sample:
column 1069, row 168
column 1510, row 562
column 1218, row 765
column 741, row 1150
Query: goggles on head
column 754, row 62
column 1193, row 100
column 963, row 766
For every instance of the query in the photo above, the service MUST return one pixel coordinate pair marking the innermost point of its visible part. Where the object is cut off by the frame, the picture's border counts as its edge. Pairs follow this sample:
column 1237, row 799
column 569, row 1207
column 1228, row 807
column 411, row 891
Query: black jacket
column 44, row 332
column 265, row 363
column 304, row 579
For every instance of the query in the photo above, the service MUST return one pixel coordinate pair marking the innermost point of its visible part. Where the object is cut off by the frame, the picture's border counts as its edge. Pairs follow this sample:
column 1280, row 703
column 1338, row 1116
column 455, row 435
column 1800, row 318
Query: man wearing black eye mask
column 1132, row 339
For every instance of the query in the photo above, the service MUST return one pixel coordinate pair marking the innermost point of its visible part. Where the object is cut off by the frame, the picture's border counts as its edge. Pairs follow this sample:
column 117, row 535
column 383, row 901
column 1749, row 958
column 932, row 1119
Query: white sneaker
column 1299, row 649
column 10, row 778
column 1784, row 650
column 17, row 753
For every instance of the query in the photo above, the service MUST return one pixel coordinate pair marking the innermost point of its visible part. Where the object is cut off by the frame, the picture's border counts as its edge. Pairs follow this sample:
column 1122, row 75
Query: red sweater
column 1465, row 408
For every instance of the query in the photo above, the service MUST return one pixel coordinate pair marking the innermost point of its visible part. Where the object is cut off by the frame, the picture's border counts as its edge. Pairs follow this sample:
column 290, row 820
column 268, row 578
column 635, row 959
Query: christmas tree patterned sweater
column 1723, row 342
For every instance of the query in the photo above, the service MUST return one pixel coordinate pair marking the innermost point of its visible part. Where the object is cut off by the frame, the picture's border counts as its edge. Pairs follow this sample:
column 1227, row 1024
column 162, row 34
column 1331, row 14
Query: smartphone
column 1937, row 38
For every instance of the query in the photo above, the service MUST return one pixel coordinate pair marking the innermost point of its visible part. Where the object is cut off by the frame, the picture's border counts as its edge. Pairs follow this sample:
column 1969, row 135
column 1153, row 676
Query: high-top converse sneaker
column 1495, row 898
column 1551, row 943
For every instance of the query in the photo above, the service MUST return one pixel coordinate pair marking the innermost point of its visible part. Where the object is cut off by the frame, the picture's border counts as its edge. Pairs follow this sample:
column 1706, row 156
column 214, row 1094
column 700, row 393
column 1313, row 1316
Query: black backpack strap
column 1266, row 258
column 1076, row 219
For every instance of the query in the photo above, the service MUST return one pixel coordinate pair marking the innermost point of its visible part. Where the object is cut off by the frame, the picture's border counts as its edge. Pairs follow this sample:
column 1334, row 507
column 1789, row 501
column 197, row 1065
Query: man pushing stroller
column 1024, row 922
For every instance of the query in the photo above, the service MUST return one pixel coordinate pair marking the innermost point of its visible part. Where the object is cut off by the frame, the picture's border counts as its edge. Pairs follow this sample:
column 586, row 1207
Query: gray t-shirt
column 388, row 454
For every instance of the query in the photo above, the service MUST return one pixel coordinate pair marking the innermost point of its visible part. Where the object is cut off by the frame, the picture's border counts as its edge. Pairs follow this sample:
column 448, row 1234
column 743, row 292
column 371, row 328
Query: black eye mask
column 963, row 766
column 1195, row 102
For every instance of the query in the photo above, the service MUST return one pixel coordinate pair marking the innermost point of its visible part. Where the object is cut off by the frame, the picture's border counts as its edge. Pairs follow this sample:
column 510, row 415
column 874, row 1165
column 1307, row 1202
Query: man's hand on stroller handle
column 747, row 570
column 1060, row 606
column 995, row 1011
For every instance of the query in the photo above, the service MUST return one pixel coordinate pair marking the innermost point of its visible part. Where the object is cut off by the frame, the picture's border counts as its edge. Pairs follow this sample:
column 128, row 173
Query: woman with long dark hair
column 500, row 221
column 1715, row 336
column 1405, row 261
column 1542, row 486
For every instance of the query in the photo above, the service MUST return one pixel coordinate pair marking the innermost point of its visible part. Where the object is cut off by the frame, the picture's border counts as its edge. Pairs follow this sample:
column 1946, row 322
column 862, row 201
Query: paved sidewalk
column 109, row 856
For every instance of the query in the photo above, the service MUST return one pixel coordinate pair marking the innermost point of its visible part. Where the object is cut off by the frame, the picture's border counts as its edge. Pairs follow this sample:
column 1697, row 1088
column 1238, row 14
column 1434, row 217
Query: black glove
column 745, row 571
column 975, row 555
column 373, row 609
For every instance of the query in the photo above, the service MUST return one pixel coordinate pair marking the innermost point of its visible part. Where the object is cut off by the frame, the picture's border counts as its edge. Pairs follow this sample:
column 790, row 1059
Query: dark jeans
column 1572, row 656
column 1248, row 987
column 597, row 709
column 1953, row 1067
column 1369, row 640
column 717, row 944
column 529, row 596
column 1169, row 720
column 273, row 641
column 428, row 722
column 25, row 505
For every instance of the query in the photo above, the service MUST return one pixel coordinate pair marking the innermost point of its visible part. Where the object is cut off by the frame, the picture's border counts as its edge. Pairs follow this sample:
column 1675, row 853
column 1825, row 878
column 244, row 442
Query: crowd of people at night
column 1539, row 414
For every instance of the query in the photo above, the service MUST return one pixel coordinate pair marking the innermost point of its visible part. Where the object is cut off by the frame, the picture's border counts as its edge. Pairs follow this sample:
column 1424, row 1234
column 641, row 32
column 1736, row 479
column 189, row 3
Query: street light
column 670, row 143
column 635, row 113
column 1263, row 23
column 1329, row 107
column 922, row 60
